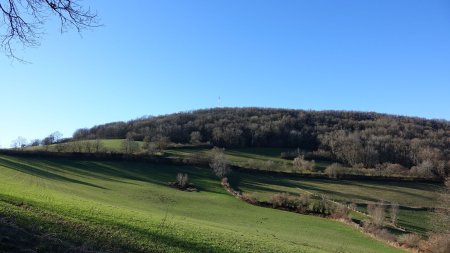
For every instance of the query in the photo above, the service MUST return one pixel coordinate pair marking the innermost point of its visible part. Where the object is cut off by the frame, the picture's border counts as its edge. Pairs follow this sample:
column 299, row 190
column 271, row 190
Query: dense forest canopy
column 364, row 139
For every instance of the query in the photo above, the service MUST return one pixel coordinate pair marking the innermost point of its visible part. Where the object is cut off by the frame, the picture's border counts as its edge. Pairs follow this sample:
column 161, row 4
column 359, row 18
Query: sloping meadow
column 128, row 206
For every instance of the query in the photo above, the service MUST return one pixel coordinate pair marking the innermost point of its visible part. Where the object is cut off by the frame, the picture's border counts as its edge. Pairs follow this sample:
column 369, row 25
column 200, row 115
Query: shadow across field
column 91, row 170
column 39, row 172
column 126, row 172
column 350, row 190
column 24, row 237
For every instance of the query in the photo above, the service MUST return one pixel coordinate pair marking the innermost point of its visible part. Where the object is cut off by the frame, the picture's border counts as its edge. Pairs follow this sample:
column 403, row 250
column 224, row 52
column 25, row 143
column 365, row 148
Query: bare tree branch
column 22, row 20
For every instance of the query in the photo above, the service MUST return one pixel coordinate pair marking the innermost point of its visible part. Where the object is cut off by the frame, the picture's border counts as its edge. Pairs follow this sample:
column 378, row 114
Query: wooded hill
column 358, row 139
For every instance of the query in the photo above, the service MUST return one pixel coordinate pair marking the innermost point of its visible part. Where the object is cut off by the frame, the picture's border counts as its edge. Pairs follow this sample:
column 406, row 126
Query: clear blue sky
column 159, row 57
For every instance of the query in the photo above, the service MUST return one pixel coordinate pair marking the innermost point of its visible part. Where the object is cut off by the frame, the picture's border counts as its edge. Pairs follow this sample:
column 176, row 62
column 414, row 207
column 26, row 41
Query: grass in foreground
column 128, row 205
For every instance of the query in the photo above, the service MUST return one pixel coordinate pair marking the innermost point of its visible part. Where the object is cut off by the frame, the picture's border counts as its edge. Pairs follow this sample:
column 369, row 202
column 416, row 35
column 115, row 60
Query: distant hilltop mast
column 219, row 102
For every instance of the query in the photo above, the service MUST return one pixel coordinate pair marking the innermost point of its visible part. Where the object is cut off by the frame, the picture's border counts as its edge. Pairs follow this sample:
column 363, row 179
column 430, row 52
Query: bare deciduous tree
column 219, row 163
column 57, row 136
column 130, row 146
column 269, row 165
column 23, row 20
column 377, row 213
column 394, row 212
column 98, row 146
column 334, row 170
column 20, row 142
column 88, row 146
column 35, row 142
column 300, row 163
column 52, row 138
column 76, row 146
column 62, row 147
column 182, row 180
column 161, row 142
column 196, row 137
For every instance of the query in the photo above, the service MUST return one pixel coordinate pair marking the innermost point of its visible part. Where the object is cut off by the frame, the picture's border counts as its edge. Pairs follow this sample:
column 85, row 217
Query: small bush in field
column 225, row 181
column 249, row 198
column 299, row 204
column 322, row 206
column 269, row 165
column 384, row 234
column 182, row 183
column 370, row 208
column 334, row 171
column 182, row 180
column 368, row 227
column 411, row 240
column 280, row 200
column 381, row 233
column 251, row 163
column 352, row 206
column 340, row 212
column 300, row 163
column 392, row 169
column 302, row 203
column 436, row 243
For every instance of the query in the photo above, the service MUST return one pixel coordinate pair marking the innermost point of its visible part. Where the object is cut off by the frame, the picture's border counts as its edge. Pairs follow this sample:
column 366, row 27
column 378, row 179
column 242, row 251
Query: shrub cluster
column 182, row 183
column 340, row 211
column 182, row 180
column 300, row 164
column 335, row 171
column 249, row 198
column 307, row 203
column 300, row 203
column 436, row 243
column 410, row 240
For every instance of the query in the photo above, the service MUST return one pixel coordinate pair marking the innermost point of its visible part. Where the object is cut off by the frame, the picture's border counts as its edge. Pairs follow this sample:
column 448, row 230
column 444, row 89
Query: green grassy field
column 408, row 195
column 115, row 145
column 248, row 157
column 128, row 205
column 411, row 196
column 108, row 145
column 241, row 154
column 244, row 157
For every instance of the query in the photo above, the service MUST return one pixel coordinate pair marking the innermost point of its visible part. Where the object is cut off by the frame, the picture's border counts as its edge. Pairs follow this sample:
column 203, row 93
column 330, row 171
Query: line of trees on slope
column 358, row 139
column 53, row 138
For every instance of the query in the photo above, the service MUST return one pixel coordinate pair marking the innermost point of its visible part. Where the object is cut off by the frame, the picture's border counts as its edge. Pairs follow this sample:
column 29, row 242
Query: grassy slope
column 242, row 156
column 111, row 145
column 132, row 202
column 239, row 156
column 408, row 194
